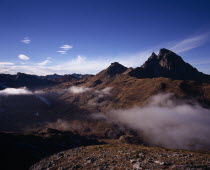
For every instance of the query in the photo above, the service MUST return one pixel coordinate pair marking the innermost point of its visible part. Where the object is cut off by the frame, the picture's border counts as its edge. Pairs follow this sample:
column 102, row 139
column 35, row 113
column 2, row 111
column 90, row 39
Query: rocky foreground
column 123, row 156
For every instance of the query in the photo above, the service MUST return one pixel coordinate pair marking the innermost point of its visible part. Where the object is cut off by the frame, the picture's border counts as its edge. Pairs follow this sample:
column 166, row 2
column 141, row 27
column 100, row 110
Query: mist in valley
column 164, row 121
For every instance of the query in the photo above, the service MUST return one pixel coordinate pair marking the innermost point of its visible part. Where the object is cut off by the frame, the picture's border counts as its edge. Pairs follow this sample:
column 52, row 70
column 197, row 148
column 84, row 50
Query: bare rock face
column 170, row 65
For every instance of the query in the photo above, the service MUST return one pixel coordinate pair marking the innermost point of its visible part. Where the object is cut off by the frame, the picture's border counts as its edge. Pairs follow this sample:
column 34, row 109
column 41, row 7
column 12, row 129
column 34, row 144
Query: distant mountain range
column 166, row 64
column 34, row 81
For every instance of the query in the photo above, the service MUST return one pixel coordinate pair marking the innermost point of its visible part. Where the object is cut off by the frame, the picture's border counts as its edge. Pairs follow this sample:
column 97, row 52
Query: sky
column 85, row 36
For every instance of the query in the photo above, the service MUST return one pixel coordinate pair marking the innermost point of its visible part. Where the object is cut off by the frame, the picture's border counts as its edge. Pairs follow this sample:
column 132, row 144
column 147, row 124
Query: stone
column 137, row 166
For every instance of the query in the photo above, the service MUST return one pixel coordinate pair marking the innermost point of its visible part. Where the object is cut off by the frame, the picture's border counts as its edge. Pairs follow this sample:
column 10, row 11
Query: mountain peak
column 113, row 70
column 115, row 64
column 153, row 55
column 167, row 64
column 164, row 51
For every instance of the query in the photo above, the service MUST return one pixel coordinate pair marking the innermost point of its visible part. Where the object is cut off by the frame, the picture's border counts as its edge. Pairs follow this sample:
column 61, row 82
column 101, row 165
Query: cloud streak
column 64, row 49
column 23, row 57
column 45, row 62
column 26, row 40
column 6, row 64
column 62, row 52
column 86, row 65
column 190, row 43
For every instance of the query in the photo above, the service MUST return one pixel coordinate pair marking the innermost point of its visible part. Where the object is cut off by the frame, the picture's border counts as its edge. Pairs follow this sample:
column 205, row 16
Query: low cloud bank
column 15, row 91
column 167, row 122
column 98, row 96
column 104, row 92
column 19, row 91
column 24, row 91
column 82, row 89
column 78, row 90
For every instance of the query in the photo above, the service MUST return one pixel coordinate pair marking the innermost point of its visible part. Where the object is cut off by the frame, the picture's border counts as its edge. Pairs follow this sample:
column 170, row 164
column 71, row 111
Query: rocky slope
column 126, row 91
column 115, row 156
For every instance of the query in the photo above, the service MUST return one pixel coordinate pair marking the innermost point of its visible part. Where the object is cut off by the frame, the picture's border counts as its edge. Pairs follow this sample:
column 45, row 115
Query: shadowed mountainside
column 34, row 81
column 20, row 151
column 170, row 65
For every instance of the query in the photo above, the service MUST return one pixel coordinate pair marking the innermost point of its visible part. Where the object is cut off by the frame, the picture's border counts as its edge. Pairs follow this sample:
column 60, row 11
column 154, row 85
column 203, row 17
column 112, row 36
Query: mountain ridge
column 166, row 64
column 169, row 65
column 35, row 81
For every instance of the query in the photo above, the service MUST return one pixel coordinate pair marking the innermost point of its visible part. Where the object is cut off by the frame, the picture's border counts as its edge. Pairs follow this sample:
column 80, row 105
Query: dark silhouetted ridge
column 168, row 64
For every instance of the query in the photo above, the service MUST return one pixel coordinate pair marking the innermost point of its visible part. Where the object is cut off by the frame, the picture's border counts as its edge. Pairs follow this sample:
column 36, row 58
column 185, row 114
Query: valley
column 153, row 116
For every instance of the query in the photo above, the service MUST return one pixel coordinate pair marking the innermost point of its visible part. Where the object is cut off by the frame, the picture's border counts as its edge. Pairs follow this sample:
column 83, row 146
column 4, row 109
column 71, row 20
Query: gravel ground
column 122, row 156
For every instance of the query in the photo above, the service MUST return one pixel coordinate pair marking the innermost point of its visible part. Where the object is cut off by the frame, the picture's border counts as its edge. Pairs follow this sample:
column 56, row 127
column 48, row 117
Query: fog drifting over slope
column 97, row 94
column 82, row 89
column 167, row 122
column 24, row 91
column 15, row 91
column 163, row 121
column 78, row 90
column 19, row 91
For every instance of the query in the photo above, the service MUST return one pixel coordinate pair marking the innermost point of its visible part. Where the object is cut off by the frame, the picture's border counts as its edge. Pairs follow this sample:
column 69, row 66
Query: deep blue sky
column 100, row 31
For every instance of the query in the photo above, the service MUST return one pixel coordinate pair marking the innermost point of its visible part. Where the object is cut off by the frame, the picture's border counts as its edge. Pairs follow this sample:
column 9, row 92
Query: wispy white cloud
column 45, row 62
column 80, row 64
column 62, row 52
column 92, row 65
column 64, row 49
column 200, row 62
column 6, row 64
column 26, row 40
column 190, row 43
column 79, row 60
column 29, row 69
column 23, row 57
